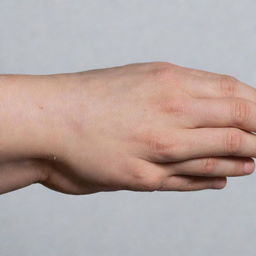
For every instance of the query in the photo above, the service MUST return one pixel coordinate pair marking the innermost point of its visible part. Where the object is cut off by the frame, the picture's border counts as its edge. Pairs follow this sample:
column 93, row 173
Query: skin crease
column 141, row 127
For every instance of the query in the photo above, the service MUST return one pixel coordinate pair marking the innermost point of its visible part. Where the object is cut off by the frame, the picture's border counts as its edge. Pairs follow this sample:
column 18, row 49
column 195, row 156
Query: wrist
column 28, row 121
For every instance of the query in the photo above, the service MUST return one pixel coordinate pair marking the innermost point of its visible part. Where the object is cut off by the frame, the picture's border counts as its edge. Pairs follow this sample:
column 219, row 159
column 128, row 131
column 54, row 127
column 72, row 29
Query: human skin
column 141, row 127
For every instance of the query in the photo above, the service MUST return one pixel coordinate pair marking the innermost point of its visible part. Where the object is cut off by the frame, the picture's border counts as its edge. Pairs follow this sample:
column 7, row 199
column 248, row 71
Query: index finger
column 212, row 85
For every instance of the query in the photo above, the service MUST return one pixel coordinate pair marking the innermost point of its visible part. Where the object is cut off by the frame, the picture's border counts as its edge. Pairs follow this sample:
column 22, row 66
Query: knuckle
column 144, row 180
column 209, row 165
column 158, row 146
column 161, row 64
column 240, row 112
column 162, row 71
column 228, row 85
column 233, row 141
column 175, row 107
column 161, row 149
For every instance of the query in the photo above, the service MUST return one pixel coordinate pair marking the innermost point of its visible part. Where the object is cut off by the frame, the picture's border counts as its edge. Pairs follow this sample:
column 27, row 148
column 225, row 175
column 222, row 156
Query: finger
column 19, row 174
column 194, row 72
column 224, row 112
column 213, row 167
column 207, row 142
column 202, row 73
column 221, row 86
column 190, row 183
column 200, row 143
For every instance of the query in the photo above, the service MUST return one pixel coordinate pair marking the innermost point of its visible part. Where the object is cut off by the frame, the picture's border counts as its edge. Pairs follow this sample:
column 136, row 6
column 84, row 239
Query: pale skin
column 140, row 127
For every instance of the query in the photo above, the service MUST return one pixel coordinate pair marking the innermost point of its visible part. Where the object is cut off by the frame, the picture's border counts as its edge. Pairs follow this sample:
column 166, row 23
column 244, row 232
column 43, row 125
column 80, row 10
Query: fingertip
column 219, row 183
column 249, row 166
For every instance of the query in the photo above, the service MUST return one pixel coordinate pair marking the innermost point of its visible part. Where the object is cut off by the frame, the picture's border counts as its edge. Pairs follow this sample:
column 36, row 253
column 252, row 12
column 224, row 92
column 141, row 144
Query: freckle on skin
column 41, row 107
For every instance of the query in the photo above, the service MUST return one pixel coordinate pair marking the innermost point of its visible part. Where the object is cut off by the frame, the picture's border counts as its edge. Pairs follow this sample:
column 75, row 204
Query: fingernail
column 249, row 166
column 219, row 183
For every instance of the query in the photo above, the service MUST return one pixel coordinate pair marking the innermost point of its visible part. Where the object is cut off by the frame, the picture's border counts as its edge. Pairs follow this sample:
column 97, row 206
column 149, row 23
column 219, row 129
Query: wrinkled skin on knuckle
column 208, row 165
column 233, row 141
column 174, row 107
column 159, row 146
column 167, row 93
column 141, row 175
column 228, row 85
column 240, row 112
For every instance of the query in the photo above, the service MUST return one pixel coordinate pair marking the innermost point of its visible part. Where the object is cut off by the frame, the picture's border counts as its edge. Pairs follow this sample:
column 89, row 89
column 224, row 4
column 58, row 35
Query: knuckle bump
column 175, row 107
column 209, row 165
column 228, row 85
column 143, row 180
column 233, row 141
column 159, row 146
column 240, row 112
column 162, row 71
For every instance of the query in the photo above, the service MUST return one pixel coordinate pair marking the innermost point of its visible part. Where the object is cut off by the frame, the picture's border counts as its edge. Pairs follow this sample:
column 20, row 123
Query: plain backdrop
column 52, row 36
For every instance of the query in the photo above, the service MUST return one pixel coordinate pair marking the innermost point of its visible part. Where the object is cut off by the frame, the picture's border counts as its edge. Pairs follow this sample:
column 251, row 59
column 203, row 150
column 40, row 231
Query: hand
column 143, row 127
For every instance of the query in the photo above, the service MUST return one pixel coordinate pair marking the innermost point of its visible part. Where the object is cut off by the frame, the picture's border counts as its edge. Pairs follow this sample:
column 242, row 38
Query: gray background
column 44, row 36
